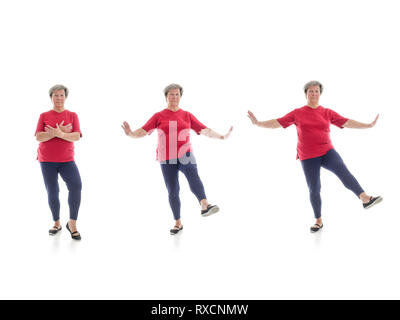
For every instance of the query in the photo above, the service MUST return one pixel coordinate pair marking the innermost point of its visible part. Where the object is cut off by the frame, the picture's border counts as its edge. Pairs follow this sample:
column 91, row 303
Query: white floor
column 257, row 247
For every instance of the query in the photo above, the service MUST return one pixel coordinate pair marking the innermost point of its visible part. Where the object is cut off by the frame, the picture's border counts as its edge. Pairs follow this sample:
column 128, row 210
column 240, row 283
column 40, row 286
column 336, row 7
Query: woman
column 314, row 148
column 57, row 130
column 174, row 150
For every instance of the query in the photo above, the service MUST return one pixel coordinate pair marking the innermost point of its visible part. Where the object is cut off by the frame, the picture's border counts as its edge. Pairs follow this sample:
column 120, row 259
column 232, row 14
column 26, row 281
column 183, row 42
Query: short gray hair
column 173, row 86
column 58, row 87
column 313, row 83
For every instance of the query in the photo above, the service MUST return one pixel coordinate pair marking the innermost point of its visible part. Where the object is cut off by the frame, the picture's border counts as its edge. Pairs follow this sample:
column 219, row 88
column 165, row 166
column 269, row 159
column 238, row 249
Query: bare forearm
column 270, row 124
column 211, row 134
column 44, row 136
column 71, row 137
column 353, row 124
column 139, row 133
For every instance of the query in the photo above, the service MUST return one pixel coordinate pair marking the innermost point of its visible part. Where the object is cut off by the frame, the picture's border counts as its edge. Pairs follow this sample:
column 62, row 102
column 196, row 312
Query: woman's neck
column 313, row 105
column 58, row 109
column 173, row 108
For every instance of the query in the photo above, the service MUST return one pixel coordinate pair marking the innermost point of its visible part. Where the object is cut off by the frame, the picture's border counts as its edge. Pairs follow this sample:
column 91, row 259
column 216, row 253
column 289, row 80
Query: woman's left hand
column 67, row 128
column 252, row 118
column 374, row 122
column 227, row 135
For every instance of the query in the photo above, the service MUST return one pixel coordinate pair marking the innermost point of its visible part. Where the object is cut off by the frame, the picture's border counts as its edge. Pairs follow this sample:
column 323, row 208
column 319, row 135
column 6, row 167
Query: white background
column 230, row 56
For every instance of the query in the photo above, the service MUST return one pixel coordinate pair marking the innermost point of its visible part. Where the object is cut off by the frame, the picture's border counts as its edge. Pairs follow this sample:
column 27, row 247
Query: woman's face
column 313, row 94
column 173, row 97
column 58, row 98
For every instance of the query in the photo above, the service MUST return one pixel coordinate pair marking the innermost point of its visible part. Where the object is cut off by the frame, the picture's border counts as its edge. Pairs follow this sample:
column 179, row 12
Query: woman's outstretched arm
column 353, row 124
column 271, row 124
column 139, row 133
column 212, row 134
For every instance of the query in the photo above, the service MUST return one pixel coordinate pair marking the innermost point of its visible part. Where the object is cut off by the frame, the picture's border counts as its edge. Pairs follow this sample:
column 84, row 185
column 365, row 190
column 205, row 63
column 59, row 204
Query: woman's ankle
column 364, row 197
column 178, row 223
column 204, row 204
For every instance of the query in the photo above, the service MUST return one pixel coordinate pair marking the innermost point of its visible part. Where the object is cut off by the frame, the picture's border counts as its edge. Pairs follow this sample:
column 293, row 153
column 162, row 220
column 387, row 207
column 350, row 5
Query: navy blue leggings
column 70, row 174
column 170, row 170
column 333, row 162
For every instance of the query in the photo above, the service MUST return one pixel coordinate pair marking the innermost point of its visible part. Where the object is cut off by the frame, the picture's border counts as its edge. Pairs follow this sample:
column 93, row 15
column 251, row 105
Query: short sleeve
column 336, row 119
column 75, row 124
column 288, row 119
column 151, row 124
column 195, row 124
column 40, row 124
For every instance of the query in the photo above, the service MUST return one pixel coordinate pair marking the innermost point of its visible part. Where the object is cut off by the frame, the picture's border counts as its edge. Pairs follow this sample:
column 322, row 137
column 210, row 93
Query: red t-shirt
column 312, row 129
column 56, row 149
column 173, row 132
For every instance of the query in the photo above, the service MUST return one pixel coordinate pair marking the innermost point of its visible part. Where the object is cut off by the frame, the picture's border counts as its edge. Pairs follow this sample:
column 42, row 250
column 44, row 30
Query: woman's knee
column 314, row 188
column 52, row 191
column 173, row 194
column 173, row 191
column 75, row 186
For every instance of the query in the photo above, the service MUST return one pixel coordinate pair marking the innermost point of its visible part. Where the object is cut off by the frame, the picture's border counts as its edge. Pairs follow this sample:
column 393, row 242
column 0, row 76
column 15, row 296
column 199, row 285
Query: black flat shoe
column 316, row 227
column 175, row 230
column 373, row 201
column 209, row 211
column 74, row 235
column 53, row 231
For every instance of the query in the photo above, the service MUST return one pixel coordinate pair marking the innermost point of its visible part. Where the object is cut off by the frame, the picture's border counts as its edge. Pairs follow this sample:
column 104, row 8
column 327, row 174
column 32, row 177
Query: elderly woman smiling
column 314, row 148
column 174, row 150
column 57, row 130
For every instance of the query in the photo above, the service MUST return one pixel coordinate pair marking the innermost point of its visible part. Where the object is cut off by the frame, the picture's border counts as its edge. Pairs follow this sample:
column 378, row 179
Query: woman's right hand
column 252, row 118
column 126, row 128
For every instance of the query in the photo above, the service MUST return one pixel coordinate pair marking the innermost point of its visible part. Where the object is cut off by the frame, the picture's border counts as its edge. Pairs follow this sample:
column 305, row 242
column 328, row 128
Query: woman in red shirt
column 57, row 130
column 174, row 150
column 314, row 148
